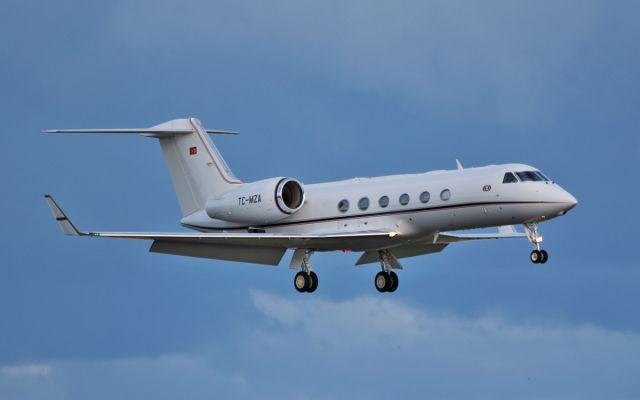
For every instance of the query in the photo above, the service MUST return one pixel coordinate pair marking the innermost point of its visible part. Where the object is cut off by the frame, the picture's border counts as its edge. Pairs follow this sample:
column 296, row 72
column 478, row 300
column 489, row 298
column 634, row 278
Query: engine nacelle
column 259, row 202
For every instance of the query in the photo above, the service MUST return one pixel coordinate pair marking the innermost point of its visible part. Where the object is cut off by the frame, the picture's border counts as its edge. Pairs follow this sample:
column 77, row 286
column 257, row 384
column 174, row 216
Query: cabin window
column 384, row 201
column 363, row 204
column 425, row 196
column 343, row 205
column 404, row 199
column 509, row 178
column 531, row 176
column 445, row 195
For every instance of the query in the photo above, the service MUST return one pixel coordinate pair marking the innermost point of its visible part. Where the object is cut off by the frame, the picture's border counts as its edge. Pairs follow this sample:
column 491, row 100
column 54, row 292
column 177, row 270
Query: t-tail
column 197, row 169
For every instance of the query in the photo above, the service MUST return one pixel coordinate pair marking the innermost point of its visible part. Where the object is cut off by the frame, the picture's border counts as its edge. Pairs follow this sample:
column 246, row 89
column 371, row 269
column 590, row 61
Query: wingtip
column 68, row 228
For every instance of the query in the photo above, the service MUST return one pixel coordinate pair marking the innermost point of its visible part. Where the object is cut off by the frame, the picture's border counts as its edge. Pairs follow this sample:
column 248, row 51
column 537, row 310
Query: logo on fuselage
column 486, row 188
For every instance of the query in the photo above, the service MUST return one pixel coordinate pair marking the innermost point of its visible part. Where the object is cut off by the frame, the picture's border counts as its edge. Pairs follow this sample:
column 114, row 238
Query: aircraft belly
column 410, row 225
column 479, row 216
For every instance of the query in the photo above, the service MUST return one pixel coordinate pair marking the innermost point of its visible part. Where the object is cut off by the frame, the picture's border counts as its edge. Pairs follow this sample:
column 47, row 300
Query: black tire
column 313, row 277
column 381, row 281
column 301, row 281
column 544, row 256
column 535, row 256
column 394, row 282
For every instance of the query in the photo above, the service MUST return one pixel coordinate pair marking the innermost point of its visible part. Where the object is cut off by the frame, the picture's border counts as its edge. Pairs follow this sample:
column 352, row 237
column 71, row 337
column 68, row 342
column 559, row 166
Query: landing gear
column 386, row 280
column 394, row 282
column 306, row 281
column 314, row 282
column 544, row 256
column 537, row 255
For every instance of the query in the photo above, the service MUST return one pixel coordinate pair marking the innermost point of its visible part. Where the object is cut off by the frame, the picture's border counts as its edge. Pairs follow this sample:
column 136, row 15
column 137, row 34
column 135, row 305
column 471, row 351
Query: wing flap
column 405, row 251
column 248, row 254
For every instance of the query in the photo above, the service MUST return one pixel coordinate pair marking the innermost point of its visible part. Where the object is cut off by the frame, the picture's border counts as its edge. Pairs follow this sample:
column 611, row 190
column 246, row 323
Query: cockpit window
column 546, row 178
column 509, row 178
column 530, row 176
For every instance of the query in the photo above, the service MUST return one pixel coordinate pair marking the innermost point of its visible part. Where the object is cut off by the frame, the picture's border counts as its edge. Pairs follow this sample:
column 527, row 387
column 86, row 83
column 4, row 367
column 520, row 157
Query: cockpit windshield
column 509, row 178
column 531, row 176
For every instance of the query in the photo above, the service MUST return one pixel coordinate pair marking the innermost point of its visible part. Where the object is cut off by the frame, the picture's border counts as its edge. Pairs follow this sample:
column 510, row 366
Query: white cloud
column 492, row 355
column 363, row 347
column 26, row 370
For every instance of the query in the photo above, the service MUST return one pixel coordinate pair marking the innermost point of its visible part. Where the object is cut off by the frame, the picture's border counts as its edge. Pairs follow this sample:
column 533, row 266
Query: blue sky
column 320, row 91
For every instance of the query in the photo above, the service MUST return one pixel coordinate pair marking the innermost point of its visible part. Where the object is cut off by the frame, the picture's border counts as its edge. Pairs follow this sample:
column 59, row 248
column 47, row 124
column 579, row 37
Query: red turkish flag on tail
column 193, row 151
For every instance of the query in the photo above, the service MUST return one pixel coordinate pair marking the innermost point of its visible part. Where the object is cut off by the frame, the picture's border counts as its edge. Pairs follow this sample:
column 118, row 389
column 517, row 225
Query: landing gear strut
column 306, row 280
column 537, row 255
column 386, row 280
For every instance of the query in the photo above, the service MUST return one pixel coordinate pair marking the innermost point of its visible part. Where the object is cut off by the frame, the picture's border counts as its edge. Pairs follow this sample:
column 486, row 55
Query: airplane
column 385, row 218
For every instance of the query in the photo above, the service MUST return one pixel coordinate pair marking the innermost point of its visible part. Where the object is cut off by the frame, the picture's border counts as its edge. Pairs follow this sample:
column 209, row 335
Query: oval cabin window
column 363, row 204
column 343, row 205
column 384, row 201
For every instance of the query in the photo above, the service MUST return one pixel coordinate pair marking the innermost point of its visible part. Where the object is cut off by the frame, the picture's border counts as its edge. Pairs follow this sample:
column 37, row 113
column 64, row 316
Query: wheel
column 382, row 281
column 394, row 282
column 544, row 256
column 535, row 256
column 301, row 281
column 313, row 277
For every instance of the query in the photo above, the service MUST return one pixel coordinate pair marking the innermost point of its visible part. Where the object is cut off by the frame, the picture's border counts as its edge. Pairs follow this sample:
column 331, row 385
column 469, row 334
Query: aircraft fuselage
column 476, row 198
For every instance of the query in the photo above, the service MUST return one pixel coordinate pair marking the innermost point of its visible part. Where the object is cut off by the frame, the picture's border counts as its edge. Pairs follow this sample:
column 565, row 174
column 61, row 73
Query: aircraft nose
column 569, row 200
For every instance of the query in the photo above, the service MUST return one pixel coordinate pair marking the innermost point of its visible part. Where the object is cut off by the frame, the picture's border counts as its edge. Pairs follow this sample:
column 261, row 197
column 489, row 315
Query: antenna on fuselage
column 460, row 167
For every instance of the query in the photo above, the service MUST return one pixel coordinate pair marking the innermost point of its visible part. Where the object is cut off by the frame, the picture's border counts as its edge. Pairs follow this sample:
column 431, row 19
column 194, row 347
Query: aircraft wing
column 260, row 248
column 504, row 232
column 435, row 243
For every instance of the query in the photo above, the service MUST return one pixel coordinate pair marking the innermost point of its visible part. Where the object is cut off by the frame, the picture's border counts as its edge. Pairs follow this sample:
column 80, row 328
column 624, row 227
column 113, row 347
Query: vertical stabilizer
column 197, row 169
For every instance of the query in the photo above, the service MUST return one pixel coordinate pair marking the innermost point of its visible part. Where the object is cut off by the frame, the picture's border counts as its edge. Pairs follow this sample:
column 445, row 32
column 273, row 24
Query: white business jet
column 386, row 218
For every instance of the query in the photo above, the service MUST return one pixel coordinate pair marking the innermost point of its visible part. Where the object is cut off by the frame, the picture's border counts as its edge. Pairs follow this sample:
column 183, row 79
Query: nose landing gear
column 537, row 255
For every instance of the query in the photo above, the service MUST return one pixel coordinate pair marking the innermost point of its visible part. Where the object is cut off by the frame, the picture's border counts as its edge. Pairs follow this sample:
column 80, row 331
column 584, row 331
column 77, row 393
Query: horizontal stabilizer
column 145, row 131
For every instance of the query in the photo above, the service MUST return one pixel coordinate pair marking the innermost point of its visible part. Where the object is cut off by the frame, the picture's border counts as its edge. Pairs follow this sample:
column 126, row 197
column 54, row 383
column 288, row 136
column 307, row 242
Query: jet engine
column 261, row 202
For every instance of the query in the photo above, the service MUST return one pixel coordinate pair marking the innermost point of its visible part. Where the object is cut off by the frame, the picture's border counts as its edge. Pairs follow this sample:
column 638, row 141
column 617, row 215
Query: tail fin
column 197, row 169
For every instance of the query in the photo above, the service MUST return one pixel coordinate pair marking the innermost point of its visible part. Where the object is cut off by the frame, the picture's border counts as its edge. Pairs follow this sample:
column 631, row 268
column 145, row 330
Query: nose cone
column 568, row 201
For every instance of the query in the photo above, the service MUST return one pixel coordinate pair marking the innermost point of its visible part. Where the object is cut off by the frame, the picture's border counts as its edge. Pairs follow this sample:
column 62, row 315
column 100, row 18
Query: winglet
column 65, row 223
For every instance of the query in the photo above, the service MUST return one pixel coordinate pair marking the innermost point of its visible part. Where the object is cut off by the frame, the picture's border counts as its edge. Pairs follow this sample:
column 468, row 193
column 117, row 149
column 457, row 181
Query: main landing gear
column 386, row 280
column 537, row 255
column 306, row 281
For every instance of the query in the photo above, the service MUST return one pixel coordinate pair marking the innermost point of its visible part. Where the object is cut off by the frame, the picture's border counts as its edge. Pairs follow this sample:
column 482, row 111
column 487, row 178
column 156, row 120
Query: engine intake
column 289, row 195
column 261, row 202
